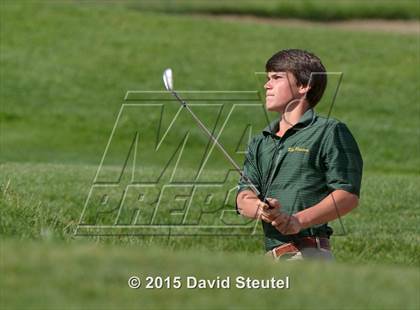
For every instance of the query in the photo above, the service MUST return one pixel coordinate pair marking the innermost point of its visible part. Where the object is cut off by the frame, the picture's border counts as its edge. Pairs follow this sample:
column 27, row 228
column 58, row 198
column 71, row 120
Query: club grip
column 266, row 202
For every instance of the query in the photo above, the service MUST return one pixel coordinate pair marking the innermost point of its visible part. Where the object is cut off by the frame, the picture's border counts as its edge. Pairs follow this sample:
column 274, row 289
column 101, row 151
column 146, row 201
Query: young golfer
column 308, row 167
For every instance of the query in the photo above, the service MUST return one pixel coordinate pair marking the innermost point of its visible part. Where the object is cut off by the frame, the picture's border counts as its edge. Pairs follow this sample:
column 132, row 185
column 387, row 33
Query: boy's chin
column 272, row 108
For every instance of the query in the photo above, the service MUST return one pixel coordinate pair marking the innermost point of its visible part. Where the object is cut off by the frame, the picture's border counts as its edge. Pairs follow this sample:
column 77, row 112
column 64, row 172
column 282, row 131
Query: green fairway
column 62, row 87
column 65, row 71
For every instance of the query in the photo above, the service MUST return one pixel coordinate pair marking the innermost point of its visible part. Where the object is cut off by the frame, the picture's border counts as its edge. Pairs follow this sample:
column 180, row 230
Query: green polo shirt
column 313, row 158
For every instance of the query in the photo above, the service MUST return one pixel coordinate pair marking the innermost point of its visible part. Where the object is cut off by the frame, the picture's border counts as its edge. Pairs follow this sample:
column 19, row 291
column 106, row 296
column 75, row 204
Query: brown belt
column 305, row 242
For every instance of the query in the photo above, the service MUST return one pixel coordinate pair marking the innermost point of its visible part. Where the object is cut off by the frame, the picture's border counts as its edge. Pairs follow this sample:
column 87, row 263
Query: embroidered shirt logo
column 297, row 149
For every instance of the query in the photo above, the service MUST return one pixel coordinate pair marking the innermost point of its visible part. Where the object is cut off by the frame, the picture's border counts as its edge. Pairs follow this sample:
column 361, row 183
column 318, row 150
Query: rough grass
column 44, row 202
column 52, row 275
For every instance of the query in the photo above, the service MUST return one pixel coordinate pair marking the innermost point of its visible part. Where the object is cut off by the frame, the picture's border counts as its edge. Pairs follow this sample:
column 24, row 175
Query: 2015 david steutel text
column 193, row 282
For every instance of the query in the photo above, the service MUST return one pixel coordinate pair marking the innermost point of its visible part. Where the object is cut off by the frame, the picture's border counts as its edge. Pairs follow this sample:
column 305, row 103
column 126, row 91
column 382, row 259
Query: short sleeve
column 343, row 161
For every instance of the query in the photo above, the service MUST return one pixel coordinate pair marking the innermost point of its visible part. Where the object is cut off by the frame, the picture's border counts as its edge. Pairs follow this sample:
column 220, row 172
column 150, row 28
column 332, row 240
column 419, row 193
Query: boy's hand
column 287, row 224
column 268, row 212
column 283, row 222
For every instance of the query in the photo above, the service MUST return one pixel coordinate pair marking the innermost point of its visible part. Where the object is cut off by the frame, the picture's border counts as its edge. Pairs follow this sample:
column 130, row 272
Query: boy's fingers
column 263, row 206
column 273, row 213
column 266, row 219
column 288, row 227
column 281, row 219
column 274, row 203
column 260, row 207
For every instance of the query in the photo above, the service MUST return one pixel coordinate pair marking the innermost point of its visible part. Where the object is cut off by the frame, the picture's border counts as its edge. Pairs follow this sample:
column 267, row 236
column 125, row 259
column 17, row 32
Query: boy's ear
column 303, row 89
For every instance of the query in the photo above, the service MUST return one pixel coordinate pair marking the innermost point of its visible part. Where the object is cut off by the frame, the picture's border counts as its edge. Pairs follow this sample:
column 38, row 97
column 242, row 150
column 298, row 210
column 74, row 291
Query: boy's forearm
column 247, row 203
column 335, row 205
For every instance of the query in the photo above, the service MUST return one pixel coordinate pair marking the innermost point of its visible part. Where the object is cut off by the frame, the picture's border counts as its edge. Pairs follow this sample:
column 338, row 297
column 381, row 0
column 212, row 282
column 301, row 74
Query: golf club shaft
column 220, row 146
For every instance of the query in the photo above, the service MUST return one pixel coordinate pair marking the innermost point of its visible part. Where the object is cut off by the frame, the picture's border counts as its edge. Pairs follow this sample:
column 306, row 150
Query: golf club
column 168, row 81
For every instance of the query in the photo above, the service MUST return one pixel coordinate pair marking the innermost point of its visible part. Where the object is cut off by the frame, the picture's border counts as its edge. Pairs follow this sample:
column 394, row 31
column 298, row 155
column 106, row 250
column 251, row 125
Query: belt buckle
column 273, row 252
column 318, row 243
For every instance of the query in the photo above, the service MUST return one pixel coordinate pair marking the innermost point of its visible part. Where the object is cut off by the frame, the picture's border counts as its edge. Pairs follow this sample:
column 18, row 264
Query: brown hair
column 301, row 64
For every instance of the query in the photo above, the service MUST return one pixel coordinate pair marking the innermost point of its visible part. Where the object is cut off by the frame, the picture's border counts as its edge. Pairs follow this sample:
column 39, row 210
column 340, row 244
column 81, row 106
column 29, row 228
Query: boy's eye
column 274, row 77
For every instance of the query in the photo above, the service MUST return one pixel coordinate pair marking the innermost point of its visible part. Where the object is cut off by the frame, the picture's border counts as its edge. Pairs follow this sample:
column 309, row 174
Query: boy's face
column 281, row 88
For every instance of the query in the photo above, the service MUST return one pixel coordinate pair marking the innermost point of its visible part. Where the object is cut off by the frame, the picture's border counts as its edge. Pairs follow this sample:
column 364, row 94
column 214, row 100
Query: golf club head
column 167, row 79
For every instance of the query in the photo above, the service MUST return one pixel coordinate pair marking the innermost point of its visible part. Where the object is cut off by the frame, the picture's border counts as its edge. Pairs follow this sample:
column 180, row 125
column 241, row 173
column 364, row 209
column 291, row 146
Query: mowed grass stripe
column 323, row 10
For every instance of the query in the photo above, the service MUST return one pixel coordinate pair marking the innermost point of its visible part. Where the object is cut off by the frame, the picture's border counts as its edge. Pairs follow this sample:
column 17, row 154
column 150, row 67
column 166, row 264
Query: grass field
column 65, row 70
column 325, row 10
column 81, row 275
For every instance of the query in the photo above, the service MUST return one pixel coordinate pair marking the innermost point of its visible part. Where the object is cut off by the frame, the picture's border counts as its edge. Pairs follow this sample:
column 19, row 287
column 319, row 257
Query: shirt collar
column 304, row 121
